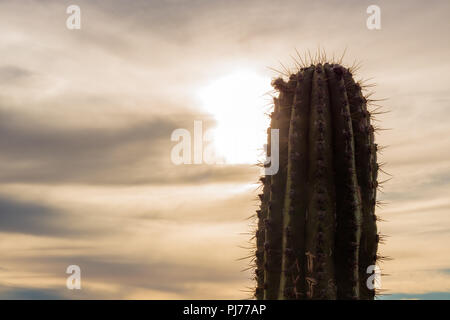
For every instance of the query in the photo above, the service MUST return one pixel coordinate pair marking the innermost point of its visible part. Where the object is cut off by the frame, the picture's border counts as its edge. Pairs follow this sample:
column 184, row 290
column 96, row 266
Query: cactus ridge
column 316, row 233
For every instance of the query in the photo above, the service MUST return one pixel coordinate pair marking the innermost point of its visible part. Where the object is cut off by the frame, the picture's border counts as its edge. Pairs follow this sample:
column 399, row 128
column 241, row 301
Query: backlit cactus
column 317, row 231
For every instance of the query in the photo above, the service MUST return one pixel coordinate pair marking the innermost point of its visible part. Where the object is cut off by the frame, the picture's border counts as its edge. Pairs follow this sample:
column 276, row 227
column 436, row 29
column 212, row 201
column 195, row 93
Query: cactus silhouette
column 317, row 231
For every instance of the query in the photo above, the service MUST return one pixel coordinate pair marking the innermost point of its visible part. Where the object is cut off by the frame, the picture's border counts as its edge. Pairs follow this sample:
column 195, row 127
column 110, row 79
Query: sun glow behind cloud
column 237, row 101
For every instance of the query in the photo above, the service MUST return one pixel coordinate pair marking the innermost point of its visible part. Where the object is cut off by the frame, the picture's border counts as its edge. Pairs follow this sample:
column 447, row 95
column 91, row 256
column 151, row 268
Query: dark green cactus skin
column 367, row 172
column 317, row 230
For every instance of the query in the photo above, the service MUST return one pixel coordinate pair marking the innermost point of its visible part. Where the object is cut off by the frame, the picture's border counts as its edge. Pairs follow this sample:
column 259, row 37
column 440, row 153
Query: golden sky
column 86, row 118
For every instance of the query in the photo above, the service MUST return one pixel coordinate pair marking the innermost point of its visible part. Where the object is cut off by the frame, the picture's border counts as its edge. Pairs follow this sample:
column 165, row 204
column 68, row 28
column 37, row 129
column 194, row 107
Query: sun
column 238, row 103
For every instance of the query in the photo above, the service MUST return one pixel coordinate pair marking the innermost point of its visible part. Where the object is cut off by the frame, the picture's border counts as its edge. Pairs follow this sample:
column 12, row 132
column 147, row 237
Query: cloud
column 32, row 218
column 13, row 74
column 14, row 293
column 136, row 153
column 173, row 271
column 170, row 276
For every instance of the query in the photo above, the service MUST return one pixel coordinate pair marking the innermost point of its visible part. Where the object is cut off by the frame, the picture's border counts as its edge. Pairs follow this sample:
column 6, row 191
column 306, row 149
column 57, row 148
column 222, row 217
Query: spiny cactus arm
column 262, row 216
column 292, row 284
column 320, row 222
column 348, row 198
column 274, row 221
column 366, row 169
column 317, row 231
column 261, row 236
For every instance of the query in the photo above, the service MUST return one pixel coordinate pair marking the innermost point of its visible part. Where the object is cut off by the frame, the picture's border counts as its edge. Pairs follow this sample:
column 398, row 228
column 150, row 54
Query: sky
column 87, row 115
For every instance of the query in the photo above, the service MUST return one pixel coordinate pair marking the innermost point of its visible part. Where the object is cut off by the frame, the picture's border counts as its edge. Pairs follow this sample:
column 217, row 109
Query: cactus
column 317, row 231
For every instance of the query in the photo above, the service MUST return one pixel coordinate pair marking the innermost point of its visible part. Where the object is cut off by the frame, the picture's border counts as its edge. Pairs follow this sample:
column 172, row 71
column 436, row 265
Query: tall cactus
column 317, row 230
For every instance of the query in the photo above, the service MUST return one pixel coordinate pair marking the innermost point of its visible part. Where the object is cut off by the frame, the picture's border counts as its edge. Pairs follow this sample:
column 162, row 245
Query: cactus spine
column 317, row 230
